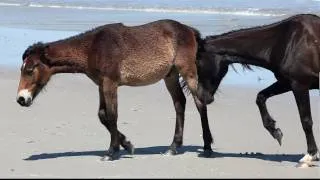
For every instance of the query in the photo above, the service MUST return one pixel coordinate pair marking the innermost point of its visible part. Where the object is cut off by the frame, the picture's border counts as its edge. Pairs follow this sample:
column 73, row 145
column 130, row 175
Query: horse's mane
column 39, row 47
column 243, row 30
column 90, row 31
column 36, row 47
column 245, row 66
column 261, row 27
column 211, row 37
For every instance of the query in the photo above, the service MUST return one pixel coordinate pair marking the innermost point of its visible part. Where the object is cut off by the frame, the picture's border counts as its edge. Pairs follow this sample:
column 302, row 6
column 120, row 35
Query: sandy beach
column 60, row 135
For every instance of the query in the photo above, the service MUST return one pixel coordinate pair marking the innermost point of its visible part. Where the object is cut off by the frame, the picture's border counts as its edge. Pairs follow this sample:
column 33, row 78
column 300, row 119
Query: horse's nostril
column 21, row 100
column 28, row 102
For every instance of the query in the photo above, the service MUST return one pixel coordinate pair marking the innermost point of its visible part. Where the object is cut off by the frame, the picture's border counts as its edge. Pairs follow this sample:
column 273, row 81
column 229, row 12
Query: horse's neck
column 68, row 57
column 245, row 48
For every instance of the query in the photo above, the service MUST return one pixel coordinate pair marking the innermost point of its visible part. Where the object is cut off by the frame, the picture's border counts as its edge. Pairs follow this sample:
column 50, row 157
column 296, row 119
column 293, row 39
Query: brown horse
column 114, row 55
column 289, row 48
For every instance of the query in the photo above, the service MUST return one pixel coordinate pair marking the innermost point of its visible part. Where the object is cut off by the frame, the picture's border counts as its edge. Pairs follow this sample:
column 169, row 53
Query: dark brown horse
column 114, row 55
column 289, row 48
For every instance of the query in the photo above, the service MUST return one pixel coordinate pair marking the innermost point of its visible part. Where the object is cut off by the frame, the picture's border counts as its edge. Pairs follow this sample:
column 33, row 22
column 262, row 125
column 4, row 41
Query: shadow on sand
column 267, row 157
column 137, row 151
column 163, row 149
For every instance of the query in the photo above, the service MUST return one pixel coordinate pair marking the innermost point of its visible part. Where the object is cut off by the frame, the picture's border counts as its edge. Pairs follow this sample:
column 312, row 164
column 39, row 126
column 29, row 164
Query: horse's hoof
column 111, row 155
column 207, row 153
column 306, row 165
column 310, row 158
column 278, row 135
column 105, row 158
column 114, row 156
column 171, row 152
column 109, row 158
column 129, row 148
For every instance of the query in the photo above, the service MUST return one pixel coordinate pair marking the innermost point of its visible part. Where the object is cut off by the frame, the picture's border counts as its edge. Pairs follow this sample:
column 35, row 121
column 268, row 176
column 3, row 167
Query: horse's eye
column 29, row 71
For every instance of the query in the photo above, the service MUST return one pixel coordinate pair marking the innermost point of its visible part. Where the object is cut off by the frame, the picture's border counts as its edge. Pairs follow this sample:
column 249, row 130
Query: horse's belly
column 147, row 63
column 140, row 74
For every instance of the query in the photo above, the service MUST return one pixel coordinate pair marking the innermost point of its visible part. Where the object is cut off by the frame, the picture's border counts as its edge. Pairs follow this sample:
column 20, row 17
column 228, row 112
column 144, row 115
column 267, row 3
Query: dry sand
column 60, row 136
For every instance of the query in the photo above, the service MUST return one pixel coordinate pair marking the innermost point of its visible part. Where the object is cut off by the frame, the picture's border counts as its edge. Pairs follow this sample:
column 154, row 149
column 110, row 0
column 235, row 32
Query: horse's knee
column 103, row 115
column 103, row 118
column 108, row 118
column 261, row 99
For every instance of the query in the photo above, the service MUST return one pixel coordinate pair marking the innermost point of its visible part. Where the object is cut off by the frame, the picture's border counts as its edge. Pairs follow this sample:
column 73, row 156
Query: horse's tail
column 200, row 41
column 200, row 45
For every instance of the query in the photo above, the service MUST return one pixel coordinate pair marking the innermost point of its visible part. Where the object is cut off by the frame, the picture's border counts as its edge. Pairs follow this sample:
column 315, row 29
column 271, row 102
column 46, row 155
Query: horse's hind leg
column 108, row 116
column 179, row 102
column 301, row 94
column 268, row 122
column 188, row 70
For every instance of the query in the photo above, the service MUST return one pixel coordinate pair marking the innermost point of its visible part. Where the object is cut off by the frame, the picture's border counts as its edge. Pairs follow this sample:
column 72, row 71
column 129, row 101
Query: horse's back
column 153, row 35
column 164, row 29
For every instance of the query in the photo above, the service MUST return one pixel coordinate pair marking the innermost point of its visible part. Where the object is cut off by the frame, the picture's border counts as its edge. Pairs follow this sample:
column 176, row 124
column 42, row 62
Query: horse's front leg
column 268, row 122
column 108, row 115
column 301, row 94
column 207, row 137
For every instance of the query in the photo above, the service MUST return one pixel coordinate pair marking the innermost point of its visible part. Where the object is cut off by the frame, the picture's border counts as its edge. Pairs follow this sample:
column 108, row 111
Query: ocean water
column 208, row 16
column 235, row 7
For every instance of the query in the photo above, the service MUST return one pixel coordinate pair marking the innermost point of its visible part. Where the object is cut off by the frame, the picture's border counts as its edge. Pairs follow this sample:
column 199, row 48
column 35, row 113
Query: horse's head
column 211, row 70
column 35, row 73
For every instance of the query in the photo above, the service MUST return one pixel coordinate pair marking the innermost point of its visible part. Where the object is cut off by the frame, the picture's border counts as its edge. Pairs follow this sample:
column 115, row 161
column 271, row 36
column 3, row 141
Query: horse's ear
column 46, row 50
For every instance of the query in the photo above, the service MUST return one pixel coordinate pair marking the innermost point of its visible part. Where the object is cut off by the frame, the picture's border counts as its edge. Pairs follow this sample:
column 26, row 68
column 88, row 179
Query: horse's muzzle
column 205, row 96
column 208, row 100
column 24, row 101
